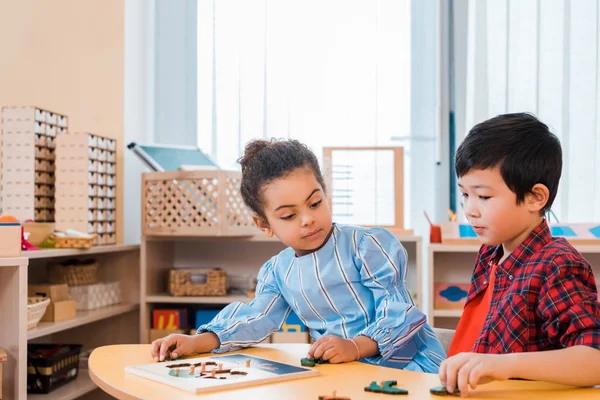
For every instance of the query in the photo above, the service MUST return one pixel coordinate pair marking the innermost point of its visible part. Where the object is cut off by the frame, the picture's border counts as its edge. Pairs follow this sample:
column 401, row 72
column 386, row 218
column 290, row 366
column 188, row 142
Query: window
column 333, row 73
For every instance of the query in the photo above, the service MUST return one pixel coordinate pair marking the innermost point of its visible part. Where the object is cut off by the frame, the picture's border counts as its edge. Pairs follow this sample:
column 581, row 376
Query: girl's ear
column 538, row 197
column 262, row 224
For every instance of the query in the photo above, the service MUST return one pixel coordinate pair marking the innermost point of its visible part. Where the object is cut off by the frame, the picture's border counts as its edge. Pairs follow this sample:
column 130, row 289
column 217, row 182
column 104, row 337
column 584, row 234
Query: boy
column 532, row 309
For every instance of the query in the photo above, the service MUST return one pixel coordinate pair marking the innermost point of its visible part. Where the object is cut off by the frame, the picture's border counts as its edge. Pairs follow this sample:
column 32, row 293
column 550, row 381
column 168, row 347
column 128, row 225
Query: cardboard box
column 60, row 311
column 10, row 245
column 55, row 292
column 38, row 231
column 161, row 333
column 289, row 337
column 61, row 307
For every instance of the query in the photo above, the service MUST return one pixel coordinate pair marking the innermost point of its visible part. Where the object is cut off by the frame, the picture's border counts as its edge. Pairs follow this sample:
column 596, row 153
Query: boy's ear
column 537, row 198
column 263, row 225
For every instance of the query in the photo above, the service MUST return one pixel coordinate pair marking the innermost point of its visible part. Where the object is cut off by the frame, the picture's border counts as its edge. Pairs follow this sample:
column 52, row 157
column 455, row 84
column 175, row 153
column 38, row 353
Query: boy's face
column 297, row 211
column 492, row 209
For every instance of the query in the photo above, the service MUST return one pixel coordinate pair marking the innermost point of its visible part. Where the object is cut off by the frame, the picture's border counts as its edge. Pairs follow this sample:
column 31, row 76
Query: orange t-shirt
column 472, row 320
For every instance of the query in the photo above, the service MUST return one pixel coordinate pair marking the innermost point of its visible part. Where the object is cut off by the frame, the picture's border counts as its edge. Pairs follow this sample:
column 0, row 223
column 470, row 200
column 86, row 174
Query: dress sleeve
column 241, row 325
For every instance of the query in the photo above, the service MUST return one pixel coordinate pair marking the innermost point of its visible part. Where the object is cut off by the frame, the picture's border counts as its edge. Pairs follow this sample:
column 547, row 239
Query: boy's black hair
column 521, row 145
column 264, row 161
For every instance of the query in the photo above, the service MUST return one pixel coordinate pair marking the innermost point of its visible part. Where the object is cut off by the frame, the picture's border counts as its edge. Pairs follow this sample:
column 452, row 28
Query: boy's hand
column 333, row 349
column 184, row 345
column 472, row 369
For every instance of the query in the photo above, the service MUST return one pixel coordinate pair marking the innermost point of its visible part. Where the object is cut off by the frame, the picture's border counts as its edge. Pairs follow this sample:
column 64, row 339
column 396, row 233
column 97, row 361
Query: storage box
column 450, row 296
column 293, row 324
column 38, row 231
column 197, row 282
column 161, row 333
column 205, row 316
column 10, row 245
column 50, row 366
column 61, row 307
column 73, row 272
column 55, row 292
column 169, row 318
column 194, row 203
column 60, row 311
column 90, row 297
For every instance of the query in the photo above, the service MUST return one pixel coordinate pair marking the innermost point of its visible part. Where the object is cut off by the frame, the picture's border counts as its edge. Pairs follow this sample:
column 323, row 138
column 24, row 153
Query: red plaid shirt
column 544, row 297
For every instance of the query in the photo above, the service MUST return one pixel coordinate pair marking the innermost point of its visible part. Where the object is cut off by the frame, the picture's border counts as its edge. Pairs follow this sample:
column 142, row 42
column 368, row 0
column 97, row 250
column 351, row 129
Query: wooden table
column 106, row 369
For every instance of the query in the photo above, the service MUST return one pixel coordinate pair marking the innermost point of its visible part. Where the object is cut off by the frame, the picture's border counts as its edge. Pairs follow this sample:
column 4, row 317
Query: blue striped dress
column 353, row 285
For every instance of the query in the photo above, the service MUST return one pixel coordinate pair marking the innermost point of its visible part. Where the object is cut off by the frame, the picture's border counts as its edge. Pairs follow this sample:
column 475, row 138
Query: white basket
column 36, row 307
column 90, row 297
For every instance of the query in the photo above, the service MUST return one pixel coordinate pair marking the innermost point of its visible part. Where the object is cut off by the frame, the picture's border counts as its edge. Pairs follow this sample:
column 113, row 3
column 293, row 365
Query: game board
column 220, row 372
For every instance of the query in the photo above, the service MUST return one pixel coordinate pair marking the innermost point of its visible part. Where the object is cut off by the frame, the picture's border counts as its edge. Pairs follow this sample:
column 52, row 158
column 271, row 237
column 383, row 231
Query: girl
column 346, row 283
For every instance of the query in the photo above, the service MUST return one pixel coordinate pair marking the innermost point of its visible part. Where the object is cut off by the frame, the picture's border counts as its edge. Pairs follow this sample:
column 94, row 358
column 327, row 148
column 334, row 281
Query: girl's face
column 297, row 211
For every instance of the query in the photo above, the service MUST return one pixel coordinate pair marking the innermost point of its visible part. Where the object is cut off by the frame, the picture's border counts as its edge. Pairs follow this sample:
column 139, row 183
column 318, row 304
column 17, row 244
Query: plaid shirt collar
column 489, row 255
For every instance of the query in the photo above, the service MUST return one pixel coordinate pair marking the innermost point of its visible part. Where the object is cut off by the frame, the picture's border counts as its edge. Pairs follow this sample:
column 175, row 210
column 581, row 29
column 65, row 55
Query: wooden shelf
column 72, row 390
column 454, row 248
column 167, row 298
column 51, row 253
column 174, row 237
column 82, row 318
column 472, row 248
column 447, row 313
column 253, row 238
column 13, row 261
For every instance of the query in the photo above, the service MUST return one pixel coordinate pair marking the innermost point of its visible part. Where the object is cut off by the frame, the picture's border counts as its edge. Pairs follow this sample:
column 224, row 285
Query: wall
column 67, row 56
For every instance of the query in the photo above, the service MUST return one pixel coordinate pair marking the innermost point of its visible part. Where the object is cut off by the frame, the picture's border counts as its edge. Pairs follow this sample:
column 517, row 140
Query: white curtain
column 540, row 57
column 328, row 73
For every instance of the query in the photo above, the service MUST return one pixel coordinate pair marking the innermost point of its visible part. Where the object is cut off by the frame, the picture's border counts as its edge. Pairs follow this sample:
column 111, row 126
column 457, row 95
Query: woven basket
column 73, row 274
column 197, row 282
column 72, row 242
column 36, row 307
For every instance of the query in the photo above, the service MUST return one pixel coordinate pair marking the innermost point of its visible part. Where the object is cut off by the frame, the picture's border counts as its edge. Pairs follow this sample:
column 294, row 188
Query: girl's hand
column 333, row 349
column 184, row 345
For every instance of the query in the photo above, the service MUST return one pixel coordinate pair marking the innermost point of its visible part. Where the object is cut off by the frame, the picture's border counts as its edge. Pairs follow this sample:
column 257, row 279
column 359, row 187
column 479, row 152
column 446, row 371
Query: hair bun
column 251, row 151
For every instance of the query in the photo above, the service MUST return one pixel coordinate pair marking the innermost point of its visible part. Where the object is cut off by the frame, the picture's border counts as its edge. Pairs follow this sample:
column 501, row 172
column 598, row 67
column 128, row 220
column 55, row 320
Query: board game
column 207, row 374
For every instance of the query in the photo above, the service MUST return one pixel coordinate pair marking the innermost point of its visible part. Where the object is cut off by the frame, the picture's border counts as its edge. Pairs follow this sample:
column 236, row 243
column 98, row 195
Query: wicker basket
column 72, row 242
column 73, row 273
column 197, row 282
column 36, row 307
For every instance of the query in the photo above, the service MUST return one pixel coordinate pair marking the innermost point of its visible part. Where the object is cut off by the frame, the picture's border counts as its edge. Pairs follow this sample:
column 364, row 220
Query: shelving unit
column 28, row 161
column 109, row 325
column 455, row 263
column 86, row 185
column 79, row 387
column 242, row 255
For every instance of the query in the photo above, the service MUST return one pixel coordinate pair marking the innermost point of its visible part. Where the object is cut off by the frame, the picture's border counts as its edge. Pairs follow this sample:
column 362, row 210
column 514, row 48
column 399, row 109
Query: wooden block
column 10, row 245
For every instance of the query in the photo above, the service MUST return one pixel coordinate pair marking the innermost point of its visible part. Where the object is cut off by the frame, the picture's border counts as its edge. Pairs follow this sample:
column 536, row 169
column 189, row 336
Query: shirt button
column 485, row 282
column 510, row 277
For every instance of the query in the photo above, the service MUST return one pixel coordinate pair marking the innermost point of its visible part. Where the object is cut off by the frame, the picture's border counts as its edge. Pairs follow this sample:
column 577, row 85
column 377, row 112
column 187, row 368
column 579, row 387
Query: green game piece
column 169, row 351
column 305, row 362
column 373, row 387
column 389, row 389
column 321, row 361
column 441, row 391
